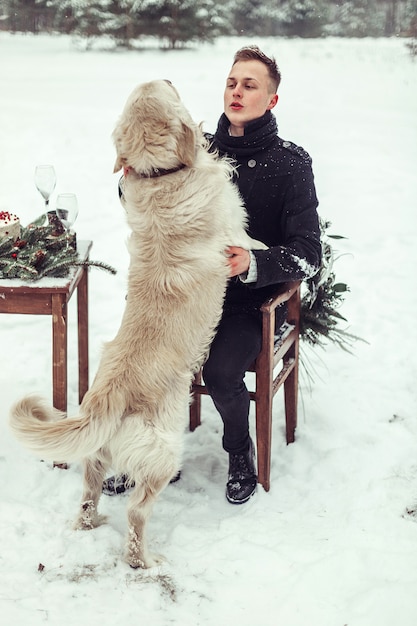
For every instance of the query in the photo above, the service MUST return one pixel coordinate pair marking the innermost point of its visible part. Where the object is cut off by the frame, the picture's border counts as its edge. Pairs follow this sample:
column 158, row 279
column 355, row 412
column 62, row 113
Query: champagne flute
column 67, row 211
column 45, row 181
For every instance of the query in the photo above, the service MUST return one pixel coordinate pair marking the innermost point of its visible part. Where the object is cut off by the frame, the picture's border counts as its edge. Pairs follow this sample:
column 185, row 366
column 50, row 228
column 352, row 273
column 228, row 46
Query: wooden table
column 50, row 296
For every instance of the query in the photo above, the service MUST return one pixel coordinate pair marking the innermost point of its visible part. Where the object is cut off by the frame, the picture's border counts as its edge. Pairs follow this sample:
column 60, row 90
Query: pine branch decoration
column 40, row 252
column 323, row 296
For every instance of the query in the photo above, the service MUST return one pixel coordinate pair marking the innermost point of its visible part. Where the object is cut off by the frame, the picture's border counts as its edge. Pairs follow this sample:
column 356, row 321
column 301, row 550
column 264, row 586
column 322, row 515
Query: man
column 276, row 182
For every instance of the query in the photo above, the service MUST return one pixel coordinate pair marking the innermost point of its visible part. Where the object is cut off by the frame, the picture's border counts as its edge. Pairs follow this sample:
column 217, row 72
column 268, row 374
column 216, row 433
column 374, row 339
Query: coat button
column 286, row 144
column 252, row 163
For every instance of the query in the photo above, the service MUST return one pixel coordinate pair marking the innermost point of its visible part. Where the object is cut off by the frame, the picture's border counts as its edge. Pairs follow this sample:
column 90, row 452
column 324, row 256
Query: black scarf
column 259, row 134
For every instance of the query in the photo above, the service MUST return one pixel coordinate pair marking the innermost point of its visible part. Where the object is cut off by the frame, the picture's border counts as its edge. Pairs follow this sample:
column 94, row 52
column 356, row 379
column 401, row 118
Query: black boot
column 115, row 485
column 242, row 479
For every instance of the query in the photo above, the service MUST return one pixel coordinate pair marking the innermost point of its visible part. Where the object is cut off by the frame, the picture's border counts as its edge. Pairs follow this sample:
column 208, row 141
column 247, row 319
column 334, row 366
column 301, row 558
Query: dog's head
column 155, row 130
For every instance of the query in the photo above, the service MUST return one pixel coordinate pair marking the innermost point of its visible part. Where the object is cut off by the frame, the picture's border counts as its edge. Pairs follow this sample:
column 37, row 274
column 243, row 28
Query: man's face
column 248, row 94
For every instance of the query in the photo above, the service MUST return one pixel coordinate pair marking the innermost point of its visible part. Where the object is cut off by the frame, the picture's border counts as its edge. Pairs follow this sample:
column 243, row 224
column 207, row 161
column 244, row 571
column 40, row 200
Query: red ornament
column 7, row 217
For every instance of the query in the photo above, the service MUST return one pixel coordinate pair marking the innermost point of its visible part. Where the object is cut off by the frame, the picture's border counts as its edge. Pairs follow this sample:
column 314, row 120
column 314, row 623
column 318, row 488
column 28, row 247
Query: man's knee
column 214, row 376
column 236, row 345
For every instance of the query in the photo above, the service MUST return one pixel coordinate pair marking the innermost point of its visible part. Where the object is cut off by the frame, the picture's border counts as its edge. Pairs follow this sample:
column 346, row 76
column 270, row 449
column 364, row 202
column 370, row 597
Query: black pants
column 237, row 343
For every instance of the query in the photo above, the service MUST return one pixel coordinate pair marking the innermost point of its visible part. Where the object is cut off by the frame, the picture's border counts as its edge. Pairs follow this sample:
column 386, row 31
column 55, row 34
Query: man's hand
column 238, row 260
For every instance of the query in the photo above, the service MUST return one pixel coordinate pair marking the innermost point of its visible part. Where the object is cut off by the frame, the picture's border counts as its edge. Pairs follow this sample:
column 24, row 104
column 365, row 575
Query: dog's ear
column 186, row 145
column 118, row 165
column 118, row 136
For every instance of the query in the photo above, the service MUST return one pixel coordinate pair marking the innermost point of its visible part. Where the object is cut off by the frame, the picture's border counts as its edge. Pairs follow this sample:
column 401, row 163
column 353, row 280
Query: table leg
column 59, row 351
column 82, row 300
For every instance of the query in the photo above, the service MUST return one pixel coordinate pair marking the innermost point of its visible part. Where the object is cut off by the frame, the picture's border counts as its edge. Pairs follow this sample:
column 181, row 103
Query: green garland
column 323, row 296
column 38, row 253
column 41, row 252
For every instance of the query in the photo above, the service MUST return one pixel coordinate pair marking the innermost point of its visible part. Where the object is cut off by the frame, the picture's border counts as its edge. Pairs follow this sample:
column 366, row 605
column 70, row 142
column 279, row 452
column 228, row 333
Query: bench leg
column 264, row 427
column 195, row 406
column 59, row 356
column 59, row 351
column 290, row 394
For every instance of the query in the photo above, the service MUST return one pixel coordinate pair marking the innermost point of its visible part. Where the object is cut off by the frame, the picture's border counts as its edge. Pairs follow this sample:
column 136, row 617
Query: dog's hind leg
column 94, row 472
column 140, row 507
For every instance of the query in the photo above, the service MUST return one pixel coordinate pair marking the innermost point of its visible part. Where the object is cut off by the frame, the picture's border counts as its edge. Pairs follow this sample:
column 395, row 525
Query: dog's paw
column 88, row 517
column 137, row 554
column 151, row 560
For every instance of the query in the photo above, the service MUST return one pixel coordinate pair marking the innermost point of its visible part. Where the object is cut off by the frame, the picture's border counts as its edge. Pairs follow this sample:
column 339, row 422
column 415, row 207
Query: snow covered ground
column 334, row 543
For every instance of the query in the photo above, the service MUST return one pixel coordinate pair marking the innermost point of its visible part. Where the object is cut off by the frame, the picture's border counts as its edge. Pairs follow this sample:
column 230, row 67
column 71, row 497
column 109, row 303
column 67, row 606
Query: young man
column 276, row 181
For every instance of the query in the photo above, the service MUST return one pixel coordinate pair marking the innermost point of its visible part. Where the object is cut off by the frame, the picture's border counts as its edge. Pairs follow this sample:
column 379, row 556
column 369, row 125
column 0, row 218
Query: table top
column 48, row 284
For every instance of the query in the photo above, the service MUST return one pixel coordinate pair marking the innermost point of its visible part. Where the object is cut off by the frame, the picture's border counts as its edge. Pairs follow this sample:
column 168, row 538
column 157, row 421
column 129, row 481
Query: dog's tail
column 42, row 429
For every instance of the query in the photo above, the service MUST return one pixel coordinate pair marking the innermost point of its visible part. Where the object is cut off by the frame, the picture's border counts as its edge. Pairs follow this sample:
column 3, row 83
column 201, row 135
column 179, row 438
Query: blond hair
column 249, row 53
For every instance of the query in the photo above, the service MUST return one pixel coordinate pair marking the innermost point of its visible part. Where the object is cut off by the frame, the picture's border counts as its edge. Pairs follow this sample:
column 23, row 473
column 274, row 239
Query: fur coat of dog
column 183, row 212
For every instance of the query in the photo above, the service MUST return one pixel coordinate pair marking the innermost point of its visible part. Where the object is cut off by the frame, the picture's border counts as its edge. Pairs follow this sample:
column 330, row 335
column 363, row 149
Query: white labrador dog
column 183, row 211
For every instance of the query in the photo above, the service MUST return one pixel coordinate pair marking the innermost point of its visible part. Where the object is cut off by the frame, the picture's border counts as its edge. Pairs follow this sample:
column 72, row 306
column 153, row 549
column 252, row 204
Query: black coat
column 276, row 182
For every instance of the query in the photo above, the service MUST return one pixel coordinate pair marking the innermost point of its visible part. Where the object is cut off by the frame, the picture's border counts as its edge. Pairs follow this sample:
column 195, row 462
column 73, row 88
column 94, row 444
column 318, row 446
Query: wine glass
column 67, row 211
column 45, row 181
